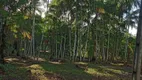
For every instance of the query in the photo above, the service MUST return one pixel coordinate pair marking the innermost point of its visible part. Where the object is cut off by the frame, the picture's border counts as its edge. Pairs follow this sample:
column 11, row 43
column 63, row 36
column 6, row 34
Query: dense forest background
column 92, row 31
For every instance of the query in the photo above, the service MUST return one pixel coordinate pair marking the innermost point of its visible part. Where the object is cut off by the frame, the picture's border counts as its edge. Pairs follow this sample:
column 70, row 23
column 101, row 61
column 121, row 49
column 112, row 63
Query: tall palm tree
column 138, row 49
column 130, row 20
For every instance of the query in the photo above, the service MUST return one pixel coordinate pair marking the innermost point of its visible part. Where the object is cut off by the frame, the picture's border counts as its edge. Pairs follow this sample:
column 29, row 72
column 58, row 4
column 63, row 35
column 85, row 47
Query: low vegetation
column 17, row 69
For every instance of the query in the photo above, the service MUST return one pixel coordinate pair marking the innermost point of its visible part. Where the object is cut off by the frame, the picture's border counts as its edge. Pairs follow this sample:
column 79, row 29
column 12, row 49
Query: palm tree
column 138, row 49
column 130, row 20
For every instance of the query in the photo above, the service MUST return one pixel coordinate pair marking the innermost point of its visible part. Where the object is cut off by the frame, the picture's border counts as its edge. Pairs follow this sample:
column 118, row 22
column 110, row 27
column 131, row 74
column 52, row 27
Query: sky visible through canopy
column 133, row 31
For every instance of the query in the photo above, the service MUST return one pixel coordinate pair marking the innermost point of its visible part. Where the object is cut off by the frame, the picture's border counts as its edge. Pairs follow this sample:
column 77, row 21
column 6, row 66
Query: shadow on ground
column 46, row 70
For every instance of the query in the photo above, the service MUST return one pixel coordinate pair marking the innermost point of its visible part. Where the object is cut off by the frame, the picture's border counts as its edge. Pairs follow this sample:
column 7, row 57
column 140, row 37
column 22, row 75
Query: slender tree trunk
column 117, row 48
column 86, row 44
column 17, row 48
column 138, row 49
column 103, row 48
column 75, row 42
column 25, row 48
column 28, row 48
column 40, row 47
column 107, row 56
column 56, row 53
column 64, row 48
column 80, row 48
column 33, row 30
column 60, row 52
column 96, row 55
column 2, row 42
column 126, row 46
column 70, row 46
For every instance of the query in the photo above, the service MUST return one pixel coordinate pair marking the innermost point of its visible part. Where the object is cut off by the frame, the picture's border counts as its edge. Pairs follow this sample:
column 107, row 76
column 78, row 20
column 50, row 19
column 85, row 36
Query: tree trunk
column 75, row 46
column 103, row 48
column 33, row 30
column 70, row 46
column 107, row 54
column 2, row 42
column 40, row 47
column 25, row 48
column 138, row 49
column 126, row 46
column 96, row 55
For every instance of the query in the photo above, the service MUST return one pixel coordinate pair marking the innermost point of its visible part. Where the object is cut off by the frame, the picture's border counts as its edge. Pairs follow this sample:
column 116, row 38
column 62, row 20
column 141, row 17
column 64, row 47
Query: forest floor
column 29, row 69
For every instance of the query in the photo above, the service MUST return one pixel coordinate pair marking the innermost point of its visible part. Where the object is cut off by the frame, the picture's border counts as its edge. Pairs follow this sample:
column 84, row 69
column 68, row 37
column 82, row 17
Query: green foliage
column 72, row 28
column 12, row 71
column 69, row 71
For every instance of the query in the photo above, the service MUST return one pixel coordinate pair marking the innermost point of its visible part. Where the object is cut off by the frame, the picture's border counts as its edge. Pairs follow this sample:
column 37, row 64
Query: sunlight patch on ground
column 55, row 62
column 110, row 70
column 118, row 64
column 38, row 72
column 83, row 63
column 105, row 71
column 37, row 58
column 11, row 59
column 95, row 72
column 36, row 66
column 115, row 71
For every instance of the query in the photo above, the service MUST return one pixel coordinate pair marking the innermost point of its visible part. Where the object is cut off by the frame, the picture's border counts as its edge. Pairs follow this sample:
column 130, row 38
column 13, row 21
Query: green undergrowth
column 12, row 72
column 47, row 70
column 70, row 72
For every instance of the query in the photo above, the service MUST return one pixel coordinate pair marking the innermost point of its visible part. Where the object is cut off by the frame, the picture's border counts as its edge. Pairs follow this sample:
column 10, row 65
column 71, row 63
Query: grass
column 70, row 72
column 13, row 72
column 67, row 71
